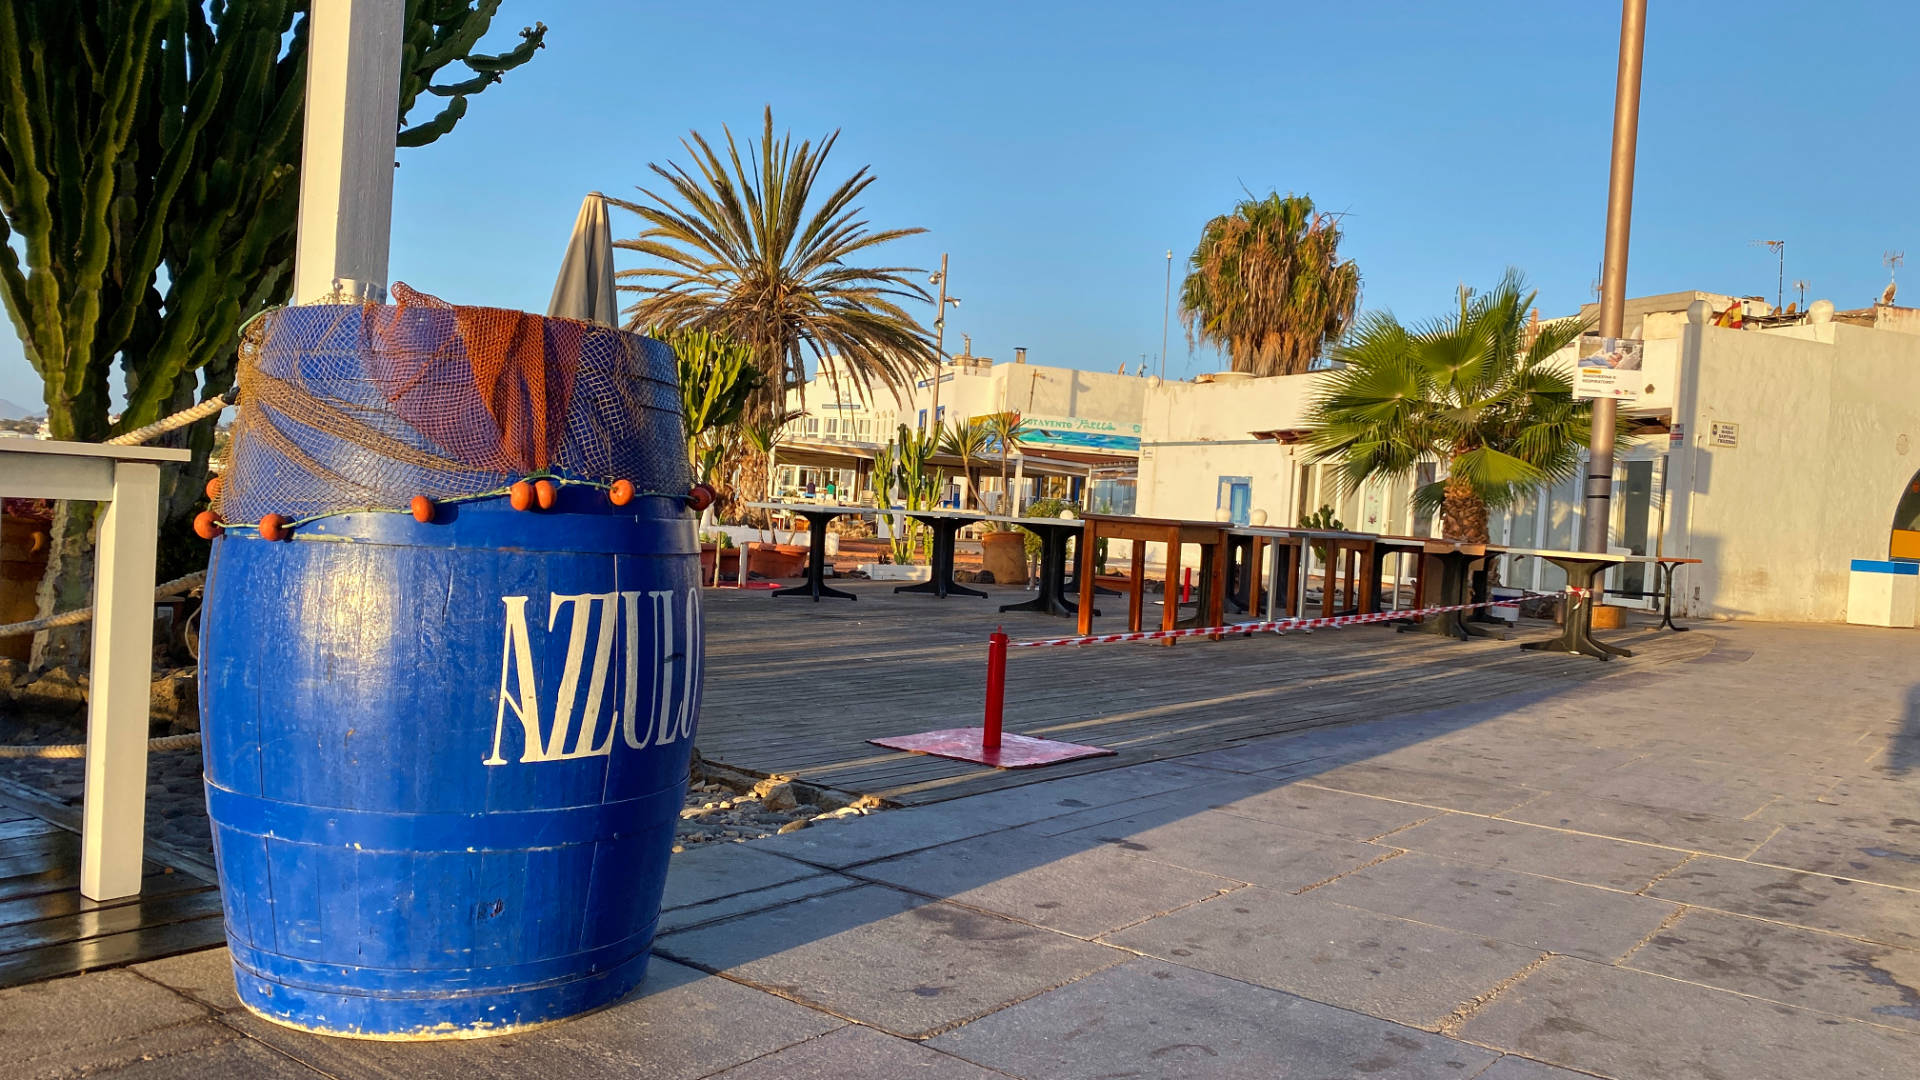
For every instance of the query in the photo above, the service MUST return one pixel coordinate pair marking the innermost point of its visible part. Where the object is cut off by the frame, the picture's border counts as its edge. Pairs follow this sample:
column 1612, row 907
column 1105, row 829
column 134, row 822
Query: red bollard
column 996, row 690
column 1186, row 585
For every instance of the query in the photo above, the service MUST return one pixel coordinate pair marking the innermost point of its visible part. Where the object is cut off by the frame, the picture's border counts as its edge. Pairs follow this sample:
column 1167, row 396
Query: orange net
column 362, row 407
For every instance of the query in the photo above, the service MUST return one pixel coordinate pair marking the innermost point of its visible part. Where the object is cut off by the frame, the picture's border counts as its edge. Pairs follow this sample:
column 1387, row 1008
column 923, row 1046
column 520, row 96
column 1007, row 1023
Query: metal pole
column 996, row 690
column 939, row 343
column 1613, row 272
column 1166, row 305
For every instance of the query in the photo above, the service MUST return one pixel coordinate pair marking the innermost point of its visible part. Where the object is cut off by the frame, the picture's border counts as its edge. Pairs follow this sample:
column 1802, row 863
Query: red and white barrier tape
column 1280, row 626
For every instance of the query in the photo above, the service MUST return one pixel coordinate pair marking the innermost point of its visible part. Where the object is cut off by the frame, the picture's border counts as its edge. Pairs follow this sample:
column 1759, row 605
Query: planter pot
column 1004, row 555
column 728, row 558
column 1609, row 617
column 776, row 560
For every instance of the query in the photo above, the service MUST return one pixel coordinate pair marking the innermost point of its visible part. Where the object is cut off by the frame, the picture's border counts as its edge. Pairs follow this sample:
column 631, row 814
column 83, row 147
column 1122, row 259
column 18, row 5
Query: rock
column 58, row 688
column 793, row 826
column 12, row 673
column 176, row 698
column 778, row 797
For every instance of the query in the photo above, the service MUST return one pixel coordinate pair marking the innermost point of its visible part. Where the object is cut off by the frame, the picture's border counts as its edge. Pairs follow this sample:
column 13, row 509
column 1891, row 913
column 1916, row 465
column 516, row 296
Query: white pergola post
column 346, row 159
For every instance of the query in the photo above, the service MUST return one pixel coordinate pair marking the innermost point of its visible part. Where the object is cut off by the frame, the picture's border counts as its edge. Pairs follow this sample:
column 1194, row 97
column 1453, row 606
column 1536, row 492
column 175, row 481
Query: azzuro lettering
column 660, row 670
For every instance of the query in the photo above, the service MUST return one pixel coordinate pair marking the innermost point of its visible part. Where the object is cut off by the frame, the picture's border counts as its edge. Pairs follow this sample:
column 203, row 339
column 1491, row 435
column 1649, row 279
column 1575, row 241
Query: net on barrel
column 351, row 407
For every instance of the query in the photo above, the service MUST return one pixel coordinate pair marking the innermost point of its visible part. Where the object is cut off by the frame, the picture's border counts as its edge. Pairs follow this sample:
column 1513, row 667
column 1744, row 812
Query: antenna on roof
column 1891, row 260
column 1800, row 284
column 1778, row 247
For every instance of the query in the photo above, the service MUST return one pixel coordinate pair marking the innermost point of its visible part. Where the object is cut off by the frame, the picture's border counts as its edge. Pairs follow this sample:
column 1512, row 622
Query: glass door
column 1636, row 519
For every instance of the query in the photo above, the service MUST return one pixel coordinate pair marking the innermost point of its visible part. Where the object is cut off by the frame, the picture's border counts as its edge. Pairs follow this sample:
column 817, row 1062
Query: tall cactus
column 149, row 175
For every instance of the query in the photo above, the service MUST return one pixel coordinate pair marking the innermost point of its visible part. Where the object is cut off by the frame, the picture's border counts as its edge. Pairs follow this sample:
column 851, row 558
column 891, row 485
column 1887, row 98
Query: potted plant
column 1003, row 553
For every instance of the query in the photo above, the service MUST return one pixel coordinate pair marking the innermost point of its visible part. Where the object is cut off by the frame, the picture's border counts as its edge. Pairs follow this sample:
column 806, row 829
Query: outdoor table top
column 1295, row 530
column 1586, row 556
column 813, row 508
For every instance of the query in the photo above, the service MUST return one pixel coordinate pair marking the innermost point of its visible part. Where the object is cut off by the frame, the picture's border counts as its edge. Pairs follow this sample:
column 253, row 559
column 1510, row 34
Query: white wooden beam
column 346, row 159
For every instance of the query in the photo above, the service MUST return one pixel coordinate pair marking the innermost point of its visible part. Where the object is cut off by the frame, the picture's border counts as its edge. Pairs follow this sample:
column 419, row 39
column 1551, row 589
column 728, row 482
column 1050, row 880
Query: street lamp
column 939, row 278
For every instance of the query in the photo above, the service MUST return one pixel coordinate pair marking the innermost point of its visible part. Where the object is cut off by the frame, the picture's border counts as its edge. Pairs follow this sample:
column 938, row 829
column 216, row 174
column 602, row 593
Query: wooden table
column 1210, row 536
column 1456, row 559
column 817, row 515
column 1664, row 566
column 1583, row 589
column 127, row 479
column 1299, row 542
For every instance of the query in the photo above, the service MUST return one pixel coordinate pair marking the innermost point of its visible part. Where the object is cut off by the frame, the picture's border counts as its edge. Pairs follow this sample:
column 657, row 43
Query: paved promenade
column 1701, row 870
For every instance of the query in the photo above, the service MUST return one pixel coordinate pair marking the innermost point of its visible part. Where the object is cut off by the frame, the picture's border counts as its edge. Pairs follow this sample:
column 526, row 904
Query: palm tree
column 1474, row 389
column 1006, row 429
column 748, row 248
column 1267, row 285
column 969, row 441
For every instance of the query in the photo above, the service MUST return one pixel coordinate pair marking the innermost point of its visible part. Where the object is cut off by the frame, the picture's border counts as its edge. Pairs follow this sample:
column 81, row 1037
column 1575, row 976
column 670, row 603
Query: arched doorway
column 1905, row 543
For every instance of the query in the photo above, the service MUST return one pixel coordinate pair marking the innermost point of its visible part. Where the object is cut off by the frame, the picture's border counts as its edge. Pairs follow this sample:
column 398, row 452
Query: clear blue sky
column 1058, row 150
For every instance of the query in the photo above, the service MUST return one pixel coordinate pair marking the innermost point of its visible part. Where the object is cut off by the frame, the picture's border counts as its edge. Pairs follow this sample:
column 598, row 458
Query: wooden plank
column 100, row 922
column 113, row 950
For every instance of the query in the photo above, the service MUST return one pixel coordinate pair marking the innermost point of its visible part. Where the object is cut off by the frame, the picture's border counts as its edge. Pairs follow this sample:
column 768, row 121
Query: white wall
column 1827, row 414
column 1195, row 433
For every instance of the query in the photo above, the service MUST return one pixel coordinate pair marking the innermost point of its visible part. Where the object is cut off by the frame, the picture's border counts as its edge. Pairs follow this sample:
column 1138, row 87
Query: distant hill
column 10, row 411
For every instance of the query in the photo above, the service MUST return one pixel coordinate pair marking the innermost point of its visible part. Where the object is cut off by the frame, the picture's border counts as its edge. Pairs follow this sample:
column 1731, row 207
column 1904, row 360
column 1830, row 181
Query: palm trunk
column 1463, row 514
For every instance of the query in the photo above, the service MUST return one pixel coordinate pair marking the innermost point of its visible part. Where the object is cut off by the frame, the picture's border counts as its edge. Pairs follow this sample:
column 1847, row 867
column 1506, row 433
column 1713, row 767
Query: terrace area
column 1345, row 853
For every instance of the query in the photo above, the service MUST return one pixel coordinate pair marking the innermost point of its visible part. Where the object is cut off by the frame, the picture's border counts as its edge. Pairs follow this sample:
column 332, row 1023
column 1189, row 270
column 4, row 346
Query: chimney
column 1019, row 354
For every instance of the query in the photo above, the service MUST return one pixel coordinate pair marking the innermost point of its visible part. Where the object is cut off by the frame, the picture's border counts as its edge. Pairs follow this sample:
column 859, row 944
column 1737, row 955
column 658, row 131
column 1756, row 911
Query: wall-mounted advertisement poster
column 1609, row 368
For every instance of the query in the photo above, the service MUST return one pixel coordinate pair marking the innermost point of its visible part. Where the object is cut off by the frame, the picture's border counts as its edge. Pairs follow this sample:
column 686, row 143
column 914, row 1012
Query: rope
column 79, row 750
column 80, row 615
column 169, row 423
column 1279, row 626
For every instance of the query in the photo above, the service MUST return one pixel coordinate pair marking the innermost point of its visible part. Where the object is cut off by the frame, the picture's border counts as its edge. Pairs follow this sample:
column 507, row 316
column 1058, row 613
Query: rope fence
column 1279, row 626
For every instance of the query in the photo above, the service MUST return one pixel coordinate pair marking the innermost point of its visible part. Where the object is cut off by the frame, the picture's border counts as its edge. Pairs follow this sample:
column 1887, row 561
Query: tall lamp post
column 939, row 335
column 1613, row 267
column 1166, row 305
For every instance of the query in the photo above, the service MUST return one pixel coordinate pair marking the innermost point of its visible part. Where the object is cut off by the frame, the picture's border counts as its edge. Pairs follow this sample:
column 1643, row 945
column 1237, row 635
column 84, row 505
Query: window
column 1235, row 496
column 923, row 419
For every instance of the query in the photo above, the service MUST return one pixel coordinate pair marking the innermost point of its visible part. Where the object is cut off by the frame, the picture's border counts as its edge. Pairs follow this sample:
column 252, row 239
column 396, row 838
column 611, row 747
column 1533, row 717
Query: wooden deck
column 797, row 687
column 47, row 929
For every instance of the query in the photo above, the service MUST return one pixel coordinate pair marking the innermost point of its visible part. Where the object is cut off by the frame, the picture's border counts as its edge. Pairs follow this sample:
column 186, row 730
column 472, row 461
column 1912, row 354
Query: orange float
column 422, row 509
column 621, row 493
column 206, row 526
column 545, row 492
column 273, row 527
column 700, row 497
column 520, row 495
column 213, row 487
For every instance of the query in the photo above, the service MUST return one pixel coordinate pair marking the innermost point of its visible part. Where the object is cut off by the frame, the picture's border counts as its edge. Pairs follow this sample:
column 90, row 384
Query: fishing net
column 349, row 407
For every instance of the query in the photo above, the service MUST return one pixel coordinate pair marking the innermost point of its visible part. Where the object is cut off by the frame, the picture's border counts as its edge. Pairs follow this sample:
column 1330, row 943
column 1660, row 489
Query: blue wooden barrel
column 444, row 760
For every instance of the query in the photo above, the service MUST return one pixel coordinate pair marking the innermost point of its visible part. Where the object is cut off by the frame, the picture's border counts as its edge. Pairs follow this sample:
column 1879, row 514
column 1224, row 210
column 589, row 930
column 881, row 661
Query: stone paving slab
column 1519, row 1068
column 1540, row 913
column 41, row 1027
column 839, row 845
column 1633, row 1026
column 1147, row 1019
column 1166, row 806
column 727, row 907
column 1535, row 849
column 1857, row 908
column 1244, row 849
column 1074, row 794
column 1703, row 787
column 1864, row 980
column 897, row 962
column 859, row 1053
column 1075, row 888
column 234, row 1058
column 679, row 1025
column 712, row 871
column 1323, row 810
column 1361, row 960
column 1888, row 855
column 1645, row 824
column 1423, row 787
column 205, row 976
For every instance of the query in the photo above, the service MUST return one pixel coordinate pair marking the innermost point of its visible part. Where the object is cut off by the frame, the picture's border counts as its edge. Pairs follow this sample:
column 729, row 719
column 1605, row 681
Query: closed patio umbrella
column 584, row 289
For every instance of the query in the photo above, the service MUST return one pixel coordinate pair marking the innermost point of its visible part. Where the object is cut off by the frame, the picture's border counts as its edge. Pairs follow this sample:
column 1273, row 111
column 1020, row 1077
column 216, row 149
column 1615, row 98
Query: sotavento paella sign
column 1609, row 368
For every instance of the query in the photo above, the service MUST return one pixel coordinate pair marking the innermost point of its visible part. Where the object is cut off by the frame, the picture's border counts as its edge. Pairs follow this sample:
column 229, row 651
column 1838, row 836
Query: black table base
column 1456, row 583
column 1665, row 571
column 816, row 585
column 1053, row 598
column 940, row 582
column 1576, row 631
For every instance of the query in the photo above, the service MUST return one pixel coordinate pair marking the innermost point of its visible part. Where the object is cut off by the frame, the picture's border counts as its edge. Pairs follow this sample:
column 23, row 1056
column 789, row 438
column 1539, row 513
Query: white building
column 1776, row 453
column 1085, row 424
